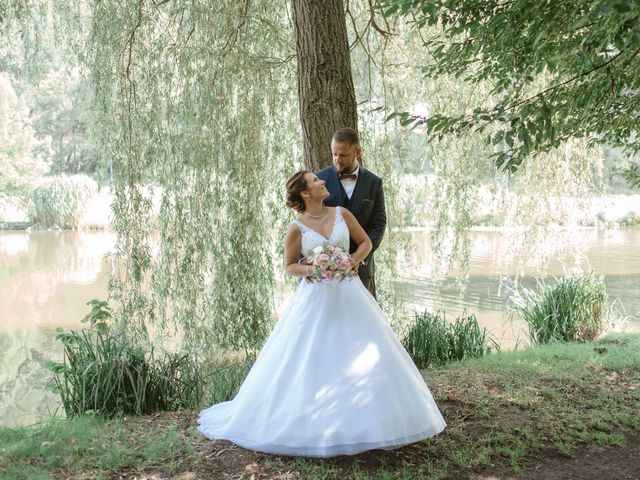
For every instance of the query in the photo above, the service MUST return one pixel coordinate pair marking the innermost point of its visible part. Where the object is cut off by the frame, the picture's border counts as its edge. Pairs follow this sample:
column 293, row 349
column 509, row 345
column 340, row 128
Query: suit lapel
column 335, row 191
column 360, row 189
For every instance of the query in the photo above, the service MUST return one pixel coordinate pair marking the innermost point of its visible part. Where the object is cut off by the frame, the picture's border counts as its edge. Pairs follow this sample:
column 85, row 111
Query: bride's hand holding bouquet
column 330, row 263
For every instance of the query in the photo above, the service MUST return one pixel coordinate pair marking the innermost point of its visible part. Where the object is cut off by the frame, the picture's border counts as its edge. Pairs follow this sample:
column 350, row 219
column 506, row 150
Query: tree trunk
column 325, row 86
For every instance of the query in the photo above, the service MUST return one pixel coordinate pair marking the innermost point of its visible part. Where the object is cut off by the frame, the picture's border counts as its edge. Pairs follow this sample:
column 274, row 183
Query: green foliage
column 100, row 316
column 431, row 340
column 44, row 58
column 630, row 219
column 552, row 79
column 60, row 200
column 573, row 309
column 456, row 182
column 105, row 372
column 195, row 115
column 225, row 380
column 632, row 175
column 22, row 153
column 62, row 100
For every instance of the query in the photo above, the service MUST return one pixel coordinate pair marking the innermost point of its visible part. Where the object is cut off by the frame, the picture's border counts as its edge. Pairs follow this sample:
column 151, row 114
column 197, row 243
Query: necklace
column 324, row 210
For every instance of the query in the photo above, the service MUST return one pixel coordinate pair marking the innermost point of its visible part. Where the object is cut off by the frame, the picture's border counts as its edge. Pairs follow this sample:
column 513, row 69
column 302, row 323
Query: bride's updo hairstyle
column 295, row 185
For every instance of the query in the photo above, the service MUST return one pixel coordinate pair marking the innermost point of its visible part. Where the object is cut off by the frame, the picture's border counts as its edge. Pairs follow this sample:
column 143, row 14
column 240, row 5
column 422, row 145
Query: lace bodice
column 339, row 234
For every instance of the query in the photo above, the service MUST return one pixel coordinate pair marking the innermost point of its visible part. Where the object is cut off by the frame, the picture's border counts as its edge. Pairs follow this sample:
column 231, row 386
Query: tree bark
column 325, row 86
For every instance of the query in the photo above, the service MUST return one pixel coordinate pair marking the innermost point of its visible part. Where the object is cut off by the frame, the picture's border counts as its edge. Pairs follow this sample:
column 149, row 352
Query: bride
column 332, row 379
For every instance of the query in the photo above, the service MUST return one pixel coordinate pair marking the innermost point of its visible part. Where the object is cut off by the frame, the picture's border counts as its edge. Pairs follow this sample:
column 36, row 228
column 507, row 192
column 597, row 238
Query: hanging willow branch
column 196, row 134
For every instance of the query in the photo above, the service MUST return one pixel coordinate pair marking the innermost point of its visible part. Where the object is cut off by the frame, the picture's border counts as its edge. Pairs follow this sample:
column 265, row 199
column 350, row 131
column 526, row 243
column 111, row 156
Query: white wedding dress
column 332, row 379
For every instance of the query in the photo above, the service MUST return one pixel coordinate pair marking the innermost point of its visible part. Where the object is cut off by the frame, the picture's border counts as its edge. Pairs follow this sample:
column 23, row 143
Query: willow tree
column 326, row 94
column 195, row 104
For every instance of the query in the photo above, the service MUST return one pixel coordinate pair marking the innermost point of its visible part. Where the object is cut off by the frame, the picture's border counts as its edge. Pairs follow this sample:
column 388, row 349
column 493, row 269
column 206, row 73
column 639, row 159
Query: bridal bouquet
column 330, row 263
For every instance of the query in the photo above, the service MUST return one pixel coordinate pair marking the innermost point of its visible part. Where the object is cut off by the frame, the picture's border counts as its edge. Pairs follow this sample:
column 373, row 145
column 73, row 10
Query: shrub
column 570, row 310
column 60, row 201
column 107, row 373
column 430, row 340
column 631, row 219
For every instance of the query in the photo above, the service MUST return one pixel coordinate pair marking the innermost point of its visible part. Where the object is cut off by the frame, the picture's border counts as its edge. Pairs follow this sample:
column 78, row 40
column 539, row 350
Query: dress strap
column 339, row 216
column 303, row 228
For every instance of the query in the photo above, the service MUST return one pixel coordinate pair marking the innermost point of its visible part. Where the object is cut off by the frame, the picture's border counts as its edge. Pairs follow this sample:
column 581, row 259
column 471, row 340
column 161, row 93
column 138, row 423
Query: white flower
column 318, row 249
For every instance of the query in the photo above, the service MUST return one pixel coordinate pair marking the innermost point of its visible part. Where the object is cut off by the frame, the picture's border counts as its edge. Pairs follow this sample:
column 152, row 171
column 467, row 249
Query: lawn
column 559, row 411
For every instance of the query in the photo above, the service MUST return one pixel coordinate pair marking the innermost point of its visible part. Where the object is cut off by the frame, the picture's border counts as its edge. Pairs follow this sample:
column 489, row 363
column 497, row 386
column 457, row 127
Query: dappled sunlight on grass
column 510, row 415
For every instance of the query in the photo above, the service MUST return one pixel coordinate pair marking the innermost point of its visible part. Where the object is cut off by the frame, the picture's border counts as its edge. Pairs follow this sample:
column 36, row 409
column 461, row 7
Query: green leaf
column 508, row 138
column 394, row 115
column 391, row 10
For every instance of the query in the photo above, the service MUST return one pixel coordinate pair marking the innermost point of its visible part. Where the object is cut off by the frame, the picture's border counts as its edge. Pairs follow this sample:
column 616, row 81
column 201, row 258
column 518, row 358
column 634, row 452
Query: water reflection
column 46, row 278
column 24, row 398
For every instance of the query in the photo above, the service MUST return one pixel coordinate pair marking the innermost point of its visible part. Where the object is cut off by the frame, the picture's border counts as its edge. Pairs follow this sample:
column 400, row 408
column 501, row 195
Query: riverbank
column 605, row 211
column 556, row 412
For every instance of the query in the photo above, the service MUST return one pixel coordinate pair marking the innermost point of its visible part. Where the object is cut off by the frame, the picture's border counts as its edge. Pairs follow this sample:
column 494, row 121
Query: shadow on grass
column 559, row 411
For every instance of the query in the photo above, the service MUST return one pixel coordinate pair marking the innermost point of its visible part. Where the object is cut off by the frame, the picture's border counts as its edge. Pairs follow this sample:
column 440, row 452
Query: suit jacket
column 366, row 204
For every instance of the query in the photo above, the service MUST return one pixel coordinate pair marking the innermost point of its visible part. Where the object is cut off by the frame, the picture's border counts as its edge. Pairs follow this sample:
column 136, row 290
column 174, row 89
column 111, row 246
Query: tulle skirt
column 332, row 379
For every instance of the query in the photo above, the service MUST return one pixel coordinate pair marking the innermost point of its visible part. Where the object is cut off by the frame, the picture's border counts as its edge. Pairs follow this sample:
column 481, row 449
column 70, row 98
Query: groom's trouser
column 370, row 284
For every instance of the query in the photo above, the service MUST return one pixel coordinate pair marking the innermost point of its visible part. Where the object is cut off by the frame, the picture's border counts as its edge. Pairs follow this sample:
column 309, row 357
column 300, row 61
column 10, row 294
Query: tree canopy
column 559, row 70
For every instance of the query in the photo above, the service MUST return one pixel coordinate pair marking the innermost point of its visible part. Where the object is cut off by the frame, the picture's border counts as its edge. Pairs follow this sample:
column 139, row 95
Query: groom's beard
column 345, row 171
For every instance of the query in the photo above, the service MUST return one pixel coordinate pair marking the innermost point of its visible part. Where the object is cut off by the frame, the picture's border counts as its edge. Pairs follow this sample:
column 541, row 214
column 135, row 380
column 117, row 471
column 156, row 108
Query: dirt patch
column 224, row 460
column 590, row 461
column 490, row 436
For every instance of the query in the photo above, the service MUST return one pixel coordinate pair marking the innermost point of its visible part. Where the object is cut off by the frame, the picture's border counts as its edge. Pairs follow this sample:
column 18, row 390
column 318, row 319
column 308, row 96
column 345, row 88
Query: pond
column 46, row 279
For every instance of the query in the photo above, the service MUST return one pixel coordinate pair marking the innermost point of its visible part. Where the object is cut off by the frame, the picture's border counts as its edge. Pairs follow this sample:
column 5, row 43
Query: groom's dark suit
column 367, row 205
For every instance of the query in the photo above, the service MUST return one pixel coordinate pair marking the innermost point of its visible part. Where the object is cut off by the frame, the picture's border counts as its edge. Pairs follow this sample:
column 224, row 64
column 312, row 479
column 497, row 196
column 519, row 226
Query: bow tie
column 348, row 176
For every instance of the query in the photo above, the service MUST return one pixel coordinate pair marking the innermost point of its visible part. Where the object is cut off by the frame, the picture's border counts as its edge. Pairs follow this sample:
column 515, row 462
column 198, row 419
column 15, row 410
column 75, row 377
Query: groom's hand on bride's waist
column 356, row 267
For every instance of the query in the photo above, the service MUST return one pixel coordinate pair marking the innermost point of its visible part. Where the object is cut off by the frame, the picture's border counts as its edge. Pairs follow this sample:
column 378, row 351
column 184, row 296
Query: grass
column 573, row 309
column 225, row 380
column 507, row 412
column 63, row 448
column 431, row 340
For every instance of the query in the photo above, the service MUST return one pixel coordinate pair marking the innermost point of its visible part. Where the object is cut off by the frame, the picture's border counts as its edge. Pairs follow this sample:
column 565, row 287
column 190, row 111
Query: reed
column 106, row 372
column 431, row 340
column 572, row 309
column 60, row 201
column 224, row 381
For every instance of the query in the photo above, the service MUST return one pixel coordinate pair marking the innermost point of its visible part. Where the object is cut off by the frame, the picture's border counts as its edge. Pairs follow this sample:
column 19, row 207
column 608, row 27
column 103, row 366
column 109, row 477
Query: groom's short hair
column 347, row 135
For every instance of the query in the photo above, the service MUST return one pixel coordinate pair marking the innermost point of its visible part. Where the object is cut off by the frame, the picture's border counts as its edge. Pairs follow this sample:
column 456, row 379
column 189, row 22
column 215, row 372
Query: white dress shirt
column 350, row 185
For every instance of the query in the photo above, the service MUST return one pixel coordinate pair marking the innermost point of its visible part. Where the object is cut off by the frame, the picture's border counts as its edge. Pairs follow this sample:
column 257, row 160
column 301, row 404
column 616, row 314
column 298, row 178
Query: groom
column 359, row 191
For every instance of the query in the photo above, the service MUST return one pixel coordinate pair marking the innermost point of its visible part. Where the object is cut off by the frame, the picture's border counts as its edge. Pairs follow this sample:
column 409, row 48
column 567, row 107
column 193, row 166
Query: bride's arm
column 359, row 236
column 292, row 248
